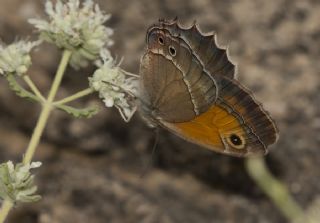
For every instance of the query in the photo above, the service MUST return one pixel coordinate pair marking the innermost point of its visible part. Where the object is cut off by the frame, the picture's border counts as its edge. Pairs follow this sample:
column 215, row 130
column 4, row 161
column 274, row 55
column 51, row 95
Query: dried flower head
column 115, row 86
column 76, row 27
column 16, row 182
column 15, row 58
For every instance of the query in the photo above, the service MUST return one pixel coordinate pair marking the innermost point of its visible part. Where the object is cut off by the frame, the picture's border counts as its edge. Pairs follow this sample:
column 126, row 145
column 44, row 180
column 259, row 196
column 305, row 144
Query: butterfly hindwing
column 228, row 126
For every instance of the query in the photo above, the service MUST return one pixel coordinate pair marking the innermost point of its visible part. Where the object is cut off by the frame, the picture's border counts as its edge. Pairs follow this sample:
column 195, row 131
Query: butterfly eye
column 172, row 51
column 236, row 141
column 160, row 40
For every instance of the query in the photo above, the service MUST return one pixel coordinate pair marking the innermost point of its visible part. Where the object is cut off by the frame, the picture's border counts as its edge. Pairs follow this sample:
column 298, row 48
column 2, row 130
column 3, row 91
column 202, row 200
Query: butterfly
column 188, row 86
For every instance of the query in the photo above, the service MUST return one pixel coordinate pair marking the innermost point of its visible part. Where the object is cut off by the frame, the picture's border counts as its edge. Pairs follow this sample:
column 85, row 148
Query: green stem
column 46, row 109
column 6, row 207
column 75, row 96
column 38, row 130
column 34, row 88
column 274, row 189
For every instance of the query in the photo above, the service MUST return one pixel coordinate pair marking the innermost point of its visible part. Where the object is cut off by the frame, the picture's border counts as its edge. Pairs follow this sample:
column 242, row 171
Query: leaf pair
column 87, row 112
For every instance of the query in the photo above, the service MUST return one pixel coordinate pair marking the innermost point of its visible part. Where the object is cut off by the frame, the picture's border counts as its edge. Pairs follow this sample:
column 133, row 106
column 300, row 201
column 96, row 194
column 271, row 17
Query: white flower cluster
column 16, row 182
column 15, row 58
column 115, row 87
column 76, row 27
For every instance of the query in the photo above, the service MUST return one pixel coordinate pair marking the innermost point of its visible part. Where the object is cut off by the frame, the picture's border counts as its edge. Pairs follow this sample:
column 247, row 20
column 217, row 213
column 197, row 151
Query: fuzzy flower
column 15, row 58
column 16, row 182
column 76, row 27
column 115, row 86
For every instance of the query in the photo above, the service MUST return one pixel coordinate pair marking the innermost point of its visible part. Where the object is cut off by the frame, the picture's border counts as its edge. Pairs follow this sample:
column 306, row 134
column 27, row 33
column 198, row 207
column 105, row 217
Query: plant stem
column 46, row 108
column 41, row 123
column 34, row 88
column 37, row 132
column 274, row 189
column 75, row 96
column 5, row 209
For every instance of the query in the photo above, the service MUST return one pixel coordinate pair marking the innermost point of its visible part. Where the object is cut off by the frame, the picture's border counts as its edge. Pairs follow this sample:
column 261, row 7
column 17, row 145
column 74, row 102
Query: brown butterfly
column 187, row 86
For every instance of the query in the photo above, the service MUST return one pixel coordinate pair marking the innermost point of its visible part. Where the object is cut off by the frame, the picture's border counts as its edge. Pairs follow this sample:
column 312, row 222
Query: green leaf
column 19, row 90
column 27, row 195
column 30, row 198
column 17, row 183
column 79, row 112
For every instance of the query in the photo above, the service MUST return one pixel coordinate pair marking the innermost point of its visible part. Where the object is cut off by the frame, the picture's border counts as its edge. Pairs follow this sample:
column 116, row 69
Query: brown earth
column 92, row 168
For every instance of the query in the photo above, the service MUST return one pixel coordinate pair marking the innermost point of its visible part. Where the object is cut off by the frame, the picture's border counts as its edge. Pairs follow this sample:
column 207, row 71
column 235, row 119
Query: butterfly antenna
column 154, row 147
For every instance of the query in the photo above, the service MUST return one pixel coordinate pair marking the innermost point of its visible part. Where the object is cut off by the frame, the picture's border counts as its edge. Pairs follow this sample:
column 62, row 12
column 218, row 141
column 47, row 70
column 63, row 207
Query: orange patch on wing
column 209, row 129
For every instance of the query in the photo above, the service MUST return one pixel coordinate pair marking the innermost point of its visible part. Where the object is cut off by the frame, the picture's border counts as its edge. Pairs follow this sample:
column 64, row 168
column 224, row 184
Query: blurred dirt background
column 92, row 168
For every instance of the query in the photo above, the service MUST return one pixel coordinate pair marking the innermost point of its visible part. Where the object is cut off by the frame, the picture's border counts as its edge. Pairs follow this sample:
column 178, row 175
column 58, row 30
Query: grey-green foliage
column 17, row 183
